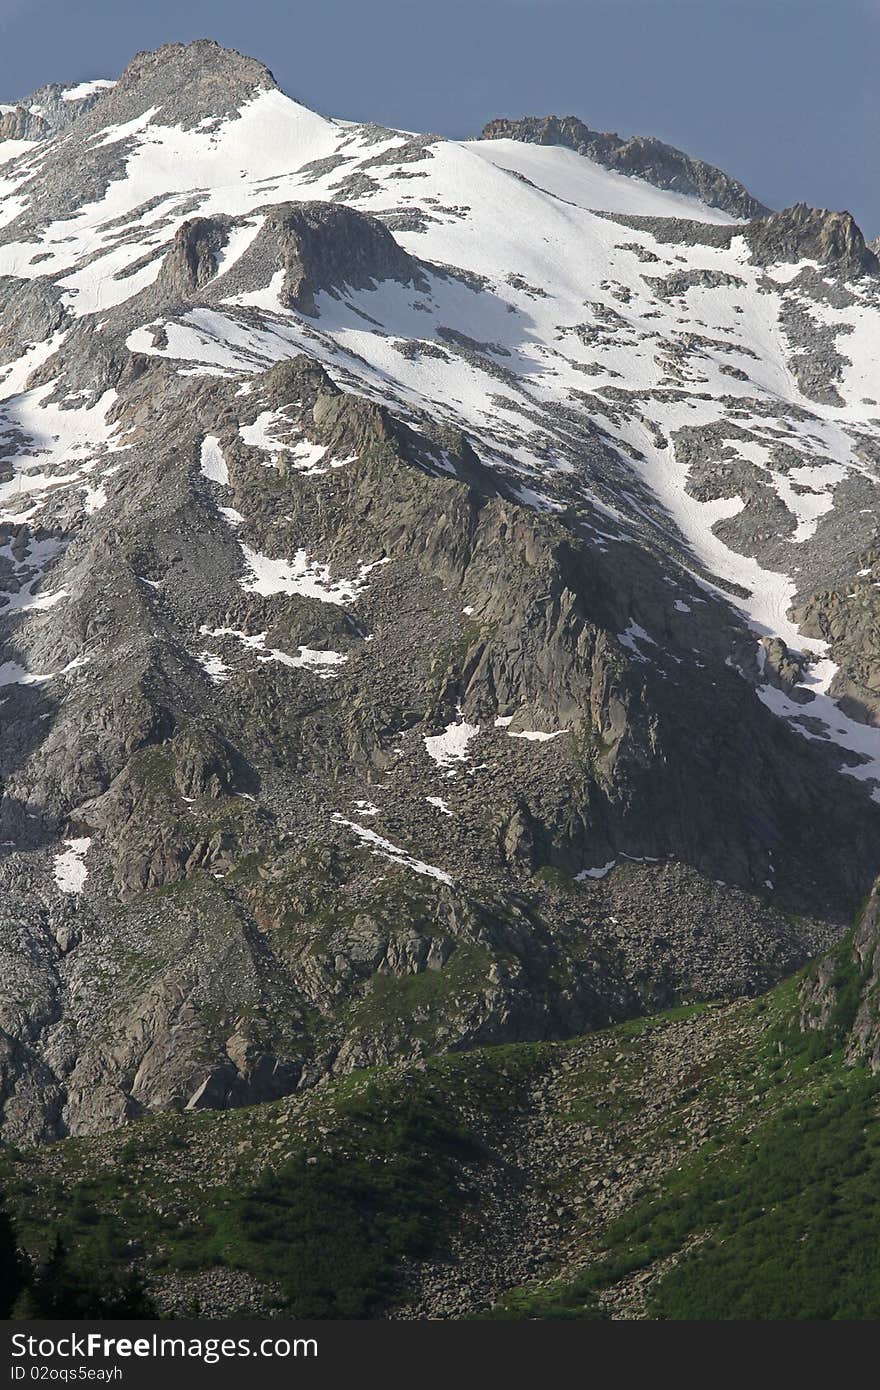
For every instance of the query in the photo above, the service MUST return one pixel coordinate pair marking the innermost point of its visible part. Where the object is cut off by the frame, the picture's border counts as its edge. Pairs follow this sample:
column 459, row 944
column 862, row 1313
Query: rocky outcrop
column 644, row 156
column 192, row 260
column 865, row 1031
column 848, row 618
column 843, row 992
column 326, row 247
column 799, row 233
column 204, row 763
column 30, row 312
column 781, row 667
column 48, row 112
column 316, row 247
column 803, row 233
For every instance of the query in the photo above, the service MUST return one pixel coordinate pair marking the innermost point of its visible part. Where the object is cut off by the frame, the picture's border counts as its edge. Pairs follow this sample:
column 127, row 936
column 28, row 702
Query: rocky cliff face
column 802, row 233
column 412, row 638
column 843, row 990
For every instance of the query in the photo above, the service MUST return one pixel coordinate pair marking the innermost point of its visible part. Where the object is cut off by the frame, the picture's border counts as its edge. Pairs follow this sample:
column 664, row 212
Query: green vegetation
column 778, row 1221
column 416, row 1005
column 331, row 1233
column 328, row 1228
column 770, row 1208
column 68, row 1287
column 794, row 1227
column 576, row 1302
column 552, row 877
column 11, row 1269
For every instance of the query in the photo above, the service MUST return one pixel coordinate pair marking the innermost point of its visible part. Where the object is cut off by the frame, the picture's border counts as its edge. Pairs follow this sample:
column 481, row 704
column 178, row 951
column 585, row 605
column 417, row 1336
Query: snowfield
column 538, row 303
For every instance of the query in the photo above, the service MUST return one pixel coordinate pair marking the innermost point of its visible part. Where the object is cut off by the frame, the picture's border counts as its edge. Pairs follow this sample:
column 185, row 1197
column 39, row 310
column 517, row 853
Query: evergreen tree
column 12, row 1272
column 65, row 1289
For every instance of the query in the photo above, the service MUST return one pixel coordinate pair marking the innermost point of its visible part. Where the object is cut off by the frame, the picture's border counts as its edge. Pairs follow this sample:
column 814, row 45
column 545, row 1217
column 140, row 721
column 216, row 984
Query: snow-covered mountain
column 421, row 558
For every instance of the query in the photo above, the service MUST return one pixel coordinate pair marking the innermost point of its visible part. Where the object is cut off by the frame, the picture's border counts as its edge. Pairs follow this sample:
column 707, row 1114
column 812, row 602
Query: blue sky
column 781, row 93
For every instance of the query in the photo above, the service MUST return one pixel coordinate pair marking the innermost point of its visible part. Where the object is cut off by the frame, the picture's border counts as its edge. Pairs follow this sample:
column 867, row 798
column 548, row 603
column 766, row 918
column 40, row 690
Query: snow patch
column 261, row 435
column 87, row 89
column 69, row 869
column 240, row 238
column 534, row 735
column 94, row 498
column 212, row 463
column 630, row 639
column 385, row 850
column 309, row 658
column 215, row 669
column 600, row 872
column 451, row 746
column 302, row 576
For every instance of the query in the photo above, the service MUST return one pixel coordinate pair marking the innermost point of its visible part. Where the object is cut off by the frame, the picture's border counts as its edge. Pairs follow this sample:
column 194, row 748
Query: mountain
column 438, row 595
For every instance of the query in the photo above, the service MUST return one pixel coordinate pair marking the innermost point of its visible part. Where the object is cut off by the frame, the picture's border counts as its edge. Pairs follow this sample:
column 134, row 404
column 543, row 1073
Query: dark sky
column 781, row 93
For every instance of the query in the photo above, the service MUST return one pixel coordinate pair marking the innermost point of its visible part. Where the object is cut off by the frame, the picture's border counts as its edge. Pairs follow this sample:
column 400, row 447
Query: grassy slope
column 318, row 1196
column 774, row 1219
column 751, row 1188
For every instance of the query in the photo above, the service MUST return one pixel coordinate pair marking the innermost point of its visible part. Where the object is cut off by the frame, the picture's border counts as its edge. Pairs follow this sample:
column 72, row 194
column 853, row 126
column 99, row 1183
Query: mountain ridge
column 643, row 156
column 400, row 537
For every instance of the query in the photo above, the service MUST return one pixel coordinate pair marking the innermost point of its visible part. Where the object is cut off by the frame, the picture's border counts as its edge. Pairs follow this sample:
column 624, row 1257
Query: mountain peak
column 203, row 60
column 188, row 83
